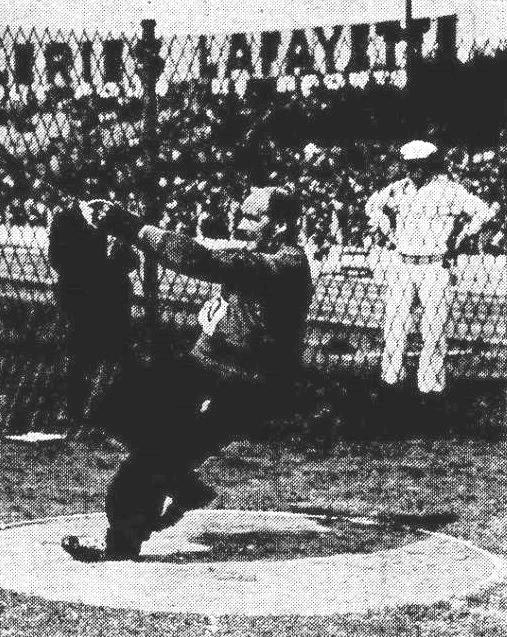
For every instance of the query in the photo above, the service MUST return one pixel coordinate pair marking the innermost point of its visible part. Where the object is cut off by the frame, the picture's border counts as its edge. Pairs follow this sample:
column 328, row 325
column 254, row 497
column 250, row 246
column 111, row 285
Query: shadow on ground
column 338, row 535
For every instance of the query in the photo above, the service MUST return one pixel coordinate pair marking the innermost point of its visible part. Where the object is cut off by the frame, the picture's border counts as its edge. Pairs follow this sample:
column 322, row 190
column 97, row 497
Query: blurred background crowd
column 213, row 148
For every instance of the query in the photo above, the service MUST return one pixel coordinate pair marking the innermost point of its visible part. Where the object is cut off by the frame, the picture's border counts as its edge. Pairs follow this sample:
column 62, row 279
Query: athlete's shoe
column 193, row 494
column 86, row 549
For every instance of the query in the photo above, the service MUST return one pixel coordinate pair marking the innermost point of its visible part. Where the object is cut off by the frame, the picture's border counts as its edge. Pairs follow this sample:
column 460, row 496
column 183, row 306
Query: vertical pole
column 148, row 49
column 408, row 12
column 502, row 153
column 409, row 39
column 410, row 60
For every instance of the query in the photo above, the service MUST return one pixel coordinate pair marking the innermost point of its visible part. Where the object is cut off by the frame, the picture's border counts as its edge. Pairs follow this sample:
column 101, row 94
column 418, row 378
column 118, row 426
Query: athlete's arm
column 239, row 268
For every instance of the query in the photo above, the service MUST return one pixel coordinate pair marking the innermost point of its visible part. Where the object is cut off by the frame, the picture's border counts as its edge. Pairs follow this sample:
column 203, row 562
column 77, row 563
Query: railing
column 179, row 128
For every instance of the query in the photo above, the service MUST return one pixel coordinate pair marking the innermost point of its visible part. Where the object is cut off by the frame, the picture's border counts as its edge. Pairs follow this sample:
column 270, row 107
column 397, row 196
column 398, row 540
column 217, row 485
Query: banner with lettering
column 301, row 58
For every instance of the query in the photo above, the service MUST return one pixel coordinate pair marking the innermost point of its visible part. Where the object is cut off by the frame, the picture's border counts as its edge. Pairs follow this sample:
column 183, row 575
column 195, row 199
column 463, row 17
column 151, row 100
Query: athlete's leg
column 397, row 322
column 433, row 292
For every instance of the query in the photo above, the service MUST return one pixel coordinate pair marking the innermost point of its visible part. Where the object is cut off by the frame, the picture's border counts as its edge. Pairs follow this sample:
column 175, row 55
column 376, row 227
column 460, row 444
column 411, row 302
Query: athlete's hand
column 450, row 259
column 111, row 218
column 449, row 262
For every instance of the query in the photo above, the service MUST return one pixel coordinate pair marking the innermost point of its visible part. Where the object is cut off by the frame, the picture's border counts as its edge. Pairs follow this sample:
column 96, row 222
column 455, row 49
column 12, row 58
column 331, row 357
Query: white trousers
column 431, row 283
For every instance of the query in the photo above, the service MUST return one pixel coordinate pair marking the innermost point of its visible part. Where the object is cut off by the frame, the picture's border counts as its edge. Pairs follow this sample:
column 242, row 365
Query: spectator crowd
column 211, row 149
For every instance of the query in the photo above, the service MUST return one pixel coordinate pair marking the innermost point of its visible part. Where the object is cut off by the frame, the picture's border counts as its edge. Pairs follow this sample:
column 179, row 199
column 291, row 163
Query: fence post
column 409, row 63
column 149, row 69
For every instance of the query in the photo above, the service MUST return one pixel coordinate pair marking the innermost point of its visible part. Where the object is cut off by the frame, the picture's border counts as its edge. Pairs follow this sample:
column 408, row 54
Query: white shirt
column 424, row 217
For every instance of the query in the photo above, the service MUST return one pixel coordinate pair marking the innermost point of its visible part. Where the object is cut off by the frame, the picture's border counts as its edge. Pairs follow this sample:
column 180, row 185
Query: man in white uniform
column 417, row 217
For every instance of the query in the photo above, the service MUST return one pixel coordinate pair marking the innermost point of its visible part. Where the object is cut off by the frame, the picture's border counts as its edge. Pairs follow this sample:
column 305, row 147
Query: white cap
column 417, row 149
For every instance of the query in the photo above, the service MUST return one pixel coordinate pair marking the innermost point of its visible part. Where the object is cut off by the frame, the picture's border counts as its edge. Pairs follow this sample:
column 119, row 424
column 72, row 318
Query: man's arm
column 236, row 267
column 123, row 256
column 63, row 253
column 54, row 256
column 477, row 213
column 378, row 222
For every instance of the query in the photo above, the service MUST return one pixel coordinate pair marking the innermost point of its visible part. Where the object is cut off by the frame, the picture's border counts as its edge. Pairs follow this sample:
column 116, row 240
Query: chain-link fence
column 180, row 128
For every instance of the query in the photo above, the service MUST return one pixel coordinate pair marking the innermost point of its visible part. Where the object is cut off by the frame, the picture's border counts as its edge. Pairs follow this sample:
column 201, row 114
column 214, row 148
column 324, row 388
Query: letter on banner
column 240, row 55
column 298, row 54
column 447, row 38
column 24, row 60
column 270, row 45
column 58, row 61
column 85, row 49
column 359, row 61
column 417, row 31
column 113, row 63
column 392, row 34
column 329, row 46
column 207, row 69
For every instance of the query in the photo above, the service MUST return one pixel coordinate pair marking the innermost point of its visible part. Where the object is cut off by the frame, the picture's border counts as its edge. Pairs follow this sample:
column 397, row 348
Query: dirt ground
column 458, row 472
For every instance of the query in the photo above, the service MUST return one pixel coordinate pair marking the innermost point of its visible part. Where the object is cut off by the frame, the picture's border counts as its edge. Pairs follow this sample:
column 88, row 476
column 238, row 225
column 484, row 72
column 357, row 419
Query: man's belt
column 414, row 259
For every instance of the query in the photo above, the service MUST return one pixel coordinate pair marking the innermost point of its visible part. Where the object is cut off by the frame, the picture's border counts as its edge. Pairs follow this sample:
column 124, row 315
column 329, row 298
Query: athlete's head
column 422, row 160
column 268, row 213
